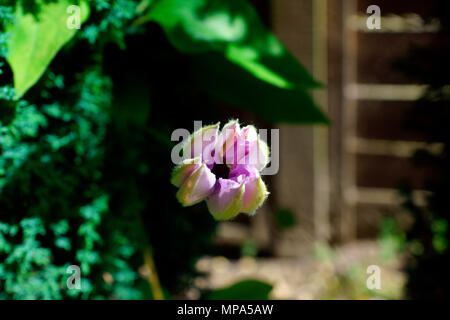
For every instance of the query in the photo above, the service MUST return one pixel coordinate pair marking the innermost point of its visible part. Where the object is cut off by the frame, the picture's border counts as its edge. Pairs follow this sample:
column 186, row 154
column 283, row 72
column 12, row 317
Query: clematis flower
column 223, row 168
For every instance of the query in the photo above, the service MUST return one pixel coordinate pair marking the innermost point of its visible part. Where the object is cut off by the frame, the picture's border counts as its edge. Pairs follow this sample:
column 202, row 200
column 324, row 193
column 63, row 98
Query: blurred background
column 362, row 191
column 91, row 188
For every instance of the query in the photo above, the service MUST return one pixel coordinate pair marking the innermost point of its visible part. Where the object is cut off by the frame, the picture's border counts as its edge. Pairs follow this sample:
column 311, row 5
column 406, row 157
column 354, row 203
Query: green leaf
column 233, row 28
column 233, row 85
column 36, row 37
column 243, row 290
column 285, row 218
column 241, row 61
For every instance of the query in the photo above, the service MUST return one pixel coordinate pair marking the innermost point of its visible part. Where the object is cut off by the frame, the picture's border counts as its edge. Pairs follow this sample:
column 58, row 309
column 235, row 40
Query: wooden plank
column 293, row 185
column 386, row 120
column 391, row 172
column 347, row 225
column 389, row 197
column 335, row 109
column 321, row 149
column 399, row 6
column 394, row 148
column 370, row 219
column 380, row 53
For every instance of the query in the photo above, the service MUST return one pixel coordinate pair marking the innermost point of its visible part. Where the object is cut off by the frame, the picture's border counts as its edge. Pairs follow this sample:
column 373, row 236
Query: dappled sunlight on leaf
column 35, row 39
column 232, row 31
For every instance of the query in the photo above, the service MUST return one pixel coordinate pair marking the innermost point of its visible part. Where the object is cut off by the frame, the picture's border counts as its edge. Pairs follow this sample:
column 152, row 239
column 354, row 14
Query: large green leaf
column 262, row 76
column 243, row 290
column 234, row 28
column 232, row 84
column 36, row 37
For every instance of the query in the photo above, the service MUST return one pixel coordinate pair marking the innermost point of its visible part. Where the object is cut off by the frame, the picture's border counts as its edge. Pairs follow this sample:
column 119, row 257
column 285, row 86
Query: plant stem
column 153, row 275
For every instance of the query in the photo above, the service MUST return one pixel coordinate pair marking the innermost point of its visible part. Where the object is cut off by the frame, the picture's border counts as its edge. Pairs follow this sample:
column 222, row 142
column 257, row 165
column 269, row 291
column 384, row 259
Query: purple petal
column 226, row 142
column 240, row 172
column 239, row 150
column 197, row 187
column 256, row 150
column 226, row 200
column 203, row 138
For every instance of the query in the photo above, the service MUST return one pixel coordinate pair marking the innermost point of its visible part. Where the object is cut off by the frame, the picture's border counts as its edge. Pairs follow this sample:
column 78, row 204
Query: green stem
column 152, row 277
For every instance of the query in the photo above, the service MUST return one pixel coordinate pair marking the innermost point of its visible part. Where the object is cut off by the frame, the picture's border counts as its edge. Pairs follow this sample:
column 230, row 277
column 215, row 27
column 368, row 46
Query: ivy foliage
column 85, row 135
column 53, row 205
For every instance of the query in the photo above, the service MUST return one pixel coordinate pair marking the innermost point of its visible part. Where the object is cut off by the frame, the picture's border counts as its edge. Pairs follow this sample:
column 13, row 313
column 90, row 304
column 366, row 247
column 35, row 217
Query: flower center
column 221, row 170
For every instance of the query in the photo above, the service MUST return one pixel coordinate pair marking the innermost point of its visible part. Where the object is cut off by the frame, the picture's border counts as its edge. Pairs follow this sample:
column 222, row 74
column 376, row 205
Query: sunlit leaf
column 238, row 60
column 36, row 37
column 268, row 102
column 243, row 290
column 233, row 28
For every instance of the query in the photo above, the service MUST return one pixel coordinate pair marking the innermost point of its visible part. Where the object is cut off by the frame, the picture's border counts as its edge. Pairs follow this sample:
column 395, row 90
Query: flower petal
column 258, row 154
column 254, row 196
column 256, row 150
column 184, row 170
column 239, row 172
column 197, row 186
column 225, row 145
column 226, row 201
column 249, row 133
column 199, row 140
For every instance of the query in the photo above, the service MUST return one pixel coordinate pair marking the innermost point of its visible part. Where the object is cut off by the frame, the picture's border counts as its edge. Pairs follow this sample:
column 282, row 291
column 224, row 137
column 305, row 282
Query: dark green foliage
column 428, row 238
column 85, row 153
column 243, row 290
column 285, row 218
column 151, row 101
column 249, row 248
column 391, row 239
column 232, row 43
column 53, row 203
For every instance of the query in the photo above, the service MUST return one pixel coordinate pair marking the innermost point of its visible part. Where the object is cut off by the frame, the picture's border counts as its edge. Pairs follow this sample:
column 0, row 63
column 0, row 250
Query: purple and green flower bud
column 223, row 168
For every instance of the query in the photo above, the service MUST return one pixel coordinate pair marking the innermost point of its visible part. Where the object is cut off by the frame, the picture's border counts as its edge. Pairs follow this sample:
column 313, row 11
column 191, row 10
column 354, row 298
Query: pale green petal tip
column 181, row 199
column 185, row 191
column 231, row 123
column 204, row 129
column 251, row 132
column 260, row 196
column 193, row 191
column 265, row 151
column 181, row 172
column 199, row 133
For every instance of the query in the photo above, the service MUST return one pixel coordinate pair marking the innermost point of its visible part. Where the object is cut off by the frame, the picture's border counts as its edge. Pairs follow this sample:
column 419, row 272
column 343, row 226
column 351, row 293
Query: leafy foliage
column 51, row 162
column 233, row 28
column 234, row 44
column 391, row 239
column 85, row 135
